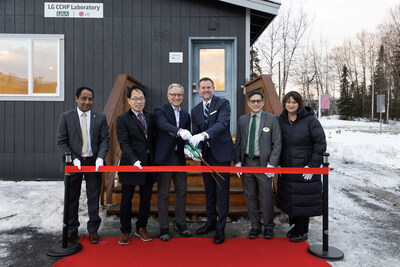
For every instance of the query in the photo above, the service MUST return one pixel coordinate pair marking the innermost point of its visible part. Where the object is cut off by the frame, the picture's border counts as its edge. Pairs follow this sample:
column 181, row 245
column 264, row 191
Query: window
column 212, row 65
column 31, row 67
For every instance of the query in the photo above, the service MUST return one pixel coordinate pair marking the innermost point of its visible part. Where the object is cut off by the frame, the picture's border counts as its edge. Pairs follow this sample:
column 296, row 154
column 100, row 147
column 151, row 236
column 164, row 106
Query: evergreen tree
column 255, row 68
column 380, row 80
column 345, row 102
column 395, row 104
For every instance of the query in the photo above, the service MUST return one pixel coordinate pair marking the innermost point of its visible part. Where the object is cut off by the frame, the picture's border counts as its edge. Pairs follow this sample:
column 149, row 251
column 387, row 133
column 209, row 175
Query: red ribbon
column 221, row 169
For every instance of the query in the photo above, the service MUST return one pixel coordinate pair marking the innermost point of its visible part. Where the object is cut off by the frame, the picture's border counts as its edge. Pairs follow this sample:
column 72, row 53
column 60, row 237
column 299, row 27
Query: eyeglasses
column 137, row 99
column 256, row 101
column 176, row 95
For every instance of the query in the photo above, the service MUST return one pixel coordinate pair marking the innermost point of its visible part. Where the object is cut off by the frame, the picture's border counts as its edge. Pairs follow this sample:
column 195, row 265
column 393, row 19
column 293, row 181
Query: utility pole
column 372, row 95
column 279, row 79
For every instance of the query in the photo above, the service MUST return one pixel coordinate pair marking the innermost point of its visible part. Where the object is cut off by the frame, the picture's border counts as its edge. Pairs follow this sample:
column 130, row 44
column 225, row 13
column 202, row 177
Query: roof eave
column 259, row 5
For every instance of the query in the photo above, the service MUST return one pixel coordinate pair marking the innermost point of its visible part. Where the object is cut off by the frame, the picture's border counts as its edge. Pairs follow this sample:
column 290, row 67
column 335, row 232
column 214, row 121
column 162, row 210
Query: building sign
column 73, row 10
column 380, row 103
column 325, row 102
column 175, row 57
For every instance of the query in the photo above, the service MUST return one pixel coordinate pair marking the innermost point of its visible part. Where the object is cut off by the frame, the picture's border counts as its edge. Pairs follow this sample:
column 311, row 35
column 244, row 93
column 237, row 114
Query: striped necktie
column 206, row 108
column 140, row 116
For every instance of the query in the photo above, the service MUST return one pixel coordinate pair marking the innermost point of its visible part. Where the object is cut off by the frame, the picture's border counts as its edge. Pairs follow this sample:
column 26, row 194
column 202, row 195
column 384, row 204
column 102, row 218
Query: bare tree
column 362, row 54
column 294, row 28
column 281, row 41
column 371, row 57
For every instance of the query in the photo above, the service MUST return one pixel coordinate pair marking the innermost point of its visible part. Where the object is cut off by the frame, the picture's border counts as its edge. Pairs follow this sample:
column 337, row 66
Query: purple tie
column 142, row 122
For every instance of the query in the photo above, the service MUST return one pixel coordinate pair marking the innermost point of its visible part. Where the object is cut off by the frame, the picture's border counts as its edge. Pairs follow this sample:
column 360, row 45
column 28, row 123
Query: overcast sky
column 336, row 20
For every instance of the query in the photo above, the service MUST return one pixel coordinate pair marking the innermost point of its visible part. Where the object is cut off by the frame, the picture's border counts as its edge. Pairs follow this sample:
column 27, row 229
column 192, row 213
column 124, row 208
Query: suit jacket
column 269, row 138
column 69, row 134
column 134, row 145
column 166, row 137
column 217, row 128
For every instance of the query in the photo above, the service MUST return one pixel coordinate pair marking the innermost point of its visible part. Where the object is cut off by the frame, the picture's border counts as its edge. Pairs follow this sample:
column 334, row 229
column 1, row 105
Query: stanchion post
column 325, row 251
column 325, row 163
column 66, row 248
column 67, row 186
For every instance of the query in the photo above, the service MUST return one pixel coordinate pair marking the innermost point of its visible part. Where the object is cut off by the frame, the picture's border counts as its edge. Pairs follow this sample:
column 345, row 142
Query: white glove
column 307, row 176
column 99, row 162
column 196, row 139
column 270, row 175
column 190, row 155
column 137, row 164
column 239, row 164
column 77, row 163
column 185, row 134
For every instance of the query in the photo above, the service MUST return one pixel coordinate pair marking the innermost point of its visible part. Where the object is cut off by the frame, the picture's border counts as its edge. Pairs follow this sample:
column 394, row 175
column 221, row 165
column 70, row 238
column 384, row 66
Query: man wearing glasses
column 135, row 137
column 258, row 144
column 172, row 127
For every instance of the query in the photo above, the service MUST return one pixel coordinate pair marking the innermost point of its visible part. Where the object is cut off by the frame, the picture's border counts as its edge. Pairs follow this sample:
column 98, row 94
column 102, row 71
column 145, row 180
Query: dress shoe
column 143, row 234
column 219, row 237
column 94, row 238
column 205, row 229
column 181, row 228
column 290, row 232
column 124, row 239
column 71, row 236
column 254, row 232
column 268, row 233
column 296, row 238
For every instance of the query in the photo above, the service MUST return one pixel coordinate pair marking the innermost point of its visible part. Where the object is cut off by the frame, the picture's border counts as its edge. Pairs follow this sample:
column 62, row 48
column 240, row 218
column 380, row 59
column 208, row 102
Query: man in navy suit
column 84, row 133
column 135, row 137
column 210, row 126
column 172, row 127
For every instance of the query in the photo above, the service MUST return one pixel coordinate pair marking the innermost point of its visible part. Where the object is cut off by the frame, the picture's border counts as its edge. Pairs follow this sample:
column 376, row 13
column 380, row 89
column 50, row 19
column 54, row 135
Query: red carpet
column 193, row 252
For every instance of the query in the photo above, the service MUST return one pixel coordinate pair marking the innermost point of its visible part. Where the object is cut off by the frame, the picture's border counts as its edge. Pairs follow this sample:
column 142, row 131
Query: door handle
column 194, row 89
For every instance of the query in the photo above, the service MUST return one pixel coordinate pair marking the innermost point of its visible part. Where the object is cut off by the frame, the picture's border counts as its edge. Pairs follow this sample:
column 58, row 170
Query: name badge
column 213, row 112
column 265, row 129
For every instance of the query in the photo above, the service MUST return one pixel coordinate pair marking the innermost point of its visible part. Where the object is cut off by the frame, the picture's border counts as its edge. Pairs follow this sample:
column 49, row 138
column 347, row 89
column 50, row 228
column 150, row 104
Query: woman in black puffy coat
column 303, row 145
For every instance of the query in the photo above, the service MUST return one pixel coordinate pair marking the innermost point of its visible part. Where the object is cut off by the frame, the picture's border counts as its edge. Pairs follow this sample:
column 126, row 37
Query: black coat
column 303, row 144
column 134, row 145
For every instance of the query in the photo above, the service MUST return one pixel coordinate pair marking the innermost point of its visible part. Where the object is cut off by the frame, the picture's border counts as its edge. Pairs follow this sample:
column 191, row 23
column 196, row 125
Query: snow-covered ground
column 364, row 197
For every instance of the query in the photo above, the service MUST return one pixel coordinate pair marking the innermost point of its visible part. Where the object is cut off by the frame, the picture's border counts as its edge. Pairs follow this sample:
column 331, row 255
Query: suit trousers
column 164, row 184
column 300, row 224
column 215, row 194
column 93, row 186
column 128, row 191
column 258, row 185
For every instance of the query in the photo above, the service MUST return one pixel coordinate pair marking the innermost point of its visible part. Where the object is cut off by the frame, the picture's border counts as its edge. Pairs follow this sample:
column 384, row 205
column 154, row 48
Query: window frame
column 31, row 96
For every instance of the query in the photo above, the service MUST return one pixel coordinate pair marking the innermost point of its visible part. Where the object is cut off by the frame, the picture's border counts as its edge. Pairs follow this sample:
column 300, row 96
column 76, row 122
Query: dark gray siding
column 134, row 37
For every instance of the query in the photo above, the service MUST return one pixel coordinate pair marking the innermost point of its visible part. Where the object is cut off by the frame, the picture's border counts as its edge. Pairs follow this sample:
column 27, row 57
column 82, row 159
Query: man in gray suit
column 258, row 144
column 84, row 133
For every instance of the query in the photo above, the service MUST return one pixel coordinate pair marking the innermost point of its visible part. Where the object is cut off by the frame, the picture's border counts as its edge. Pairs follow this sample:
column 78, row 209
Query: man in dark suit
column 172, row 126
column 258, row 144
column 135, row 137
column 211, row 124
column 84, row 133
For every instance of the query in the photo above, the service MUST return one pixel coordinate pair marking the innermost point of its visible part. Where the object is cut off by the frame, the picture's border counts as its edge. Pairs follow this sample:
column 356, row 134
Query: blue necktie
column 206, row 107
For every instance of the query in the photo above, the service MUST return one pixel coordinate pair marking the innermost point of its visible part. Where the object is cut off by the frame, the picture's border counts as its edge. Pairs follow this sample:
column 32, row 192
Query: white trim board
column 270, row 7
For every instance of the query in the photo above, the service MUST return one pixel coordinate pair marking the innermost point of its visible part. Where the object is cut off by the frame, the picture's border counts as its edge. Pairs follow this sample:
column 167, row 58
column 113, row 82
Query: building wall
column 134, row 37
